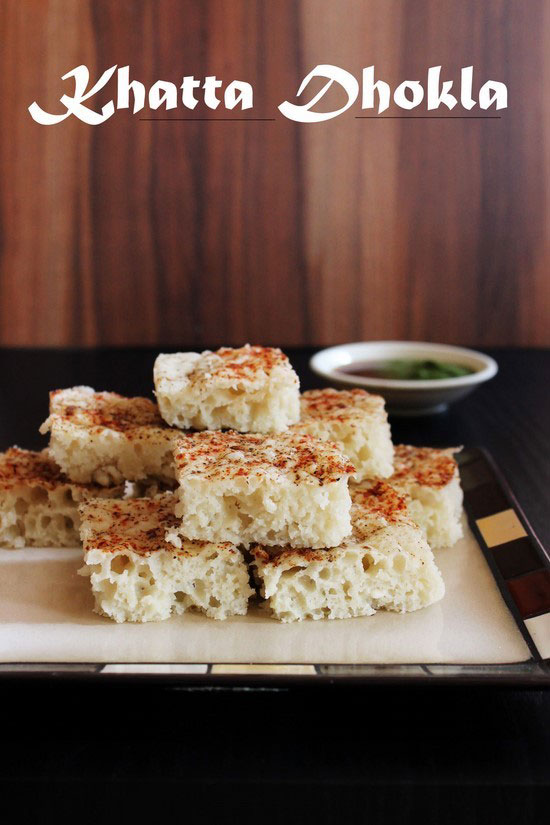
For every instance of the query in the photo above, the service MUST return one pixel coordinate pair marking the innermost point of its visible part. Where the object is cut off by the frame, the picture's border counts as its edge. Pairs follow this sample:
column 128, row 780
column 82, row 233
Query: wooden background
column 195, row 233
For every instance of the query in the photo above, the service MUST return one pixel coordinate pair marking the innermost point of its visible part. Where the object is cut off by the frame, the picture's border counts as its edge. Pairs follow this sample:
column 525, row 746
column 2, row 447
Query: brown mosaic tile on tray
column 519, row 563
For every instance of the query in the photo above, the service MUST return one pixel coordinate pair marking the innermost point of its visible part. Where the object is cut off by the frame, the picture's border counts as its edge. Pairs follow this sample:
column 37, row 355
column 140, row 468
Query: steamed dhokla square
column 356, row 421
column 250, row 389
column 386, row 564
column 105, row 438
column 137, row 577
column 38, row 503
column 430, row 477
column 244, row 488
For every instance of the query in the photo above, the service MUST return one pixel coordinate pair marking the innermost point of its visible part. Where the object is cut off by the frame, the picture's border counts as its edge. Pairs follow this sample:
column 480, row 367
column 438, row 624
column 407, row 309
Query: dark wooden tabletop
column 448, row 752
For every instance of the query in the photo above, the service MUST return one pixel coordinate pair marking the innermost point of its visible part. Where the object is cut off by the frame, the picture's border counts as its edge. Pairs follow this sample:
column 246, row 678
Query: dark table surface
column 455, row 754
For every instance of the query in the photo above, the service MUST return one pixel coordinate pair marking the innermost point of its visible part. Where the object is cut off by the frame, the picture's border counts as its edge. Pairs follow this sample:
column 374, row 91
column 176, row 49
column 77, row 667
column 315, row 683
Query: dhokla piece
column 356, row 421
column 386, row 564
column 106, row 438
column 250, row 389
column 430, row 477
column 148, row 488
column 243, row 488
column 38, row 503
column 136, row 576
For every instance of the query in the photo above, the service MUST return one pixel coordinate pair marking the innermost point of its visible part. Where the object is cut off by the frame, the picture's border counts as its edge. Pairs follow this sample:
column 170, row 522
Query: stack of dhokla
column 235, row 485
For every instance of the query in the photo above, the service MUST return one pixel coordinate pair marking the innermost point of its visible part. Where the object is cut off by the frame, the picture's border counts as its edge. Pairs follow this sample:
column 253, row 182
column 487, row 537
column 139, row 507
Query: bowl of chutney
column 415, row 377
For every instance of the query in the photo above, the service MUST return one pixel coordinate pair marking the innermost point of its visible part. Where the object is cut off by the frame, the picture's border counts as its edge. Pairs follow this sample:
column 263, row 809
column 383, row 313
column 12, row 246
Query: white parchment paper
column 46, row 616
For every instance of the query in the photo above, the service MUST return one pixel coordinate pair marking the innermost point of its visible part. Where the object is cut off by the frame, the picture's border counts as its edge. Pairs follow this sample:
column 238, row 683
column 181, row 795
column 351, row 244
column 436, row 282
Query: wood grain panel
column 440, row 225
column 155, row 233
column 44, row 201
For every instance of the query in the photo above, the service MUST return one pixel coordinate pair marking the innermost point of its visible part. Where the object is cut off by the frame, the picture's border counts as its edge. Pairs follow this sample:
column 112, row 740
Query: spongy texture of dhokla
column 386, row 564
column 430, row 477
column 137, row 577
column 356, row 421
column 250, row 389
column 106, row 438
column 38, row 503
column 243, row 488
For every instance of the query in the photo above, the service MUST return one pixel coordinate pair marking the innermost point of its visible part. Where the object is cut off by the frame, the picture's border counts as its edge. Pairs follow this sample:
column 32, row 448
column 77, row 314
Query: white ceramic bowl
column 406, row 397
